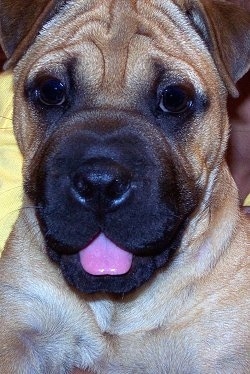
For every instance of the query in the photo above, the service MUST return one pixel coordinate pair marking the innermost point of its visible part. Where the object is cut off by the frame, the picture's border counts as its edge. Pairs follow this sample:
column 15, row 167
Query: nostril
column 83, row 186
column 116, row 193
column 117, row 188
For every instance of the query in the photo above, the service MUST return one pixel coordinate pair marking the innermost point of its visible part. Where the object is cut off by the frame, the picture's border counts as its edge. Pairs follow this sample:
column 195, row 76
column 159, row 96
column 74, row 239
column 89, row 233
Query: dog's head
column 120, row 113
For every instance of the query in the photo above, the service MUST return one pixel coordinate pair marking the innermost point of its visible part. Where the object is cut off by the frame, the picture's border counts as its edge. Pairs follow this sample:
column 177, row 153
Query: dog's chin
column 137, row 270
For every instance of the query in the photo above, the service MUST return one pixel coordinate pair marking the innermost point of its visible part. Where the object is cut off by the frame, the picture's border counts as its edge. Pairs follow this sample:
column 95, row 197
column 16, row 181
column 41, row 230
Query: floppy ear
column 225, row 28
column 20, row 21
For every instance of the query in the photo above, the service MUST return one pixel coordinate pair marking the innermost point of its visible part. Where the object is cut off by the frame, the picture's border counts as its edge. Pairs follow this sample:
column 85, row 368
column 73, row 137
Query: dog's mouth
column 103, row 257
column 104, row 266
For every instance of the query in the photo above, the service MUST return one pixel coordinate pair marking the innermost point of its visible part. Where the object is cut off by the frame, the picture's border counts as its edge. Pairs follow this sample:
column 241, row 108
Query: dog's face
column 120, row 115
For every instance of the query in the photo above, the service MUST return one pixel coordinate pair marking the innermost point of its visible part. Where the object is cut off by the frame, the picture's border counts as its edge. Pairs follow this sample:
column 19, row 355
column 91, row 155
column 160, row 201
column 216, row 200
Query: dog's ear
column 225, row 28
column 20, row 21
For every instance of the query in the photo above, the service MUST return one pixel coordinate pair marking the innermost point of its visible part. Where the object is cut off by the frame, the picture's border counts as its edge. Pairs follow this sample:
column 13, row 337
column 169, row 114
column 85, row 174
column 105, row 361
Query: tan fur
column 192, row 317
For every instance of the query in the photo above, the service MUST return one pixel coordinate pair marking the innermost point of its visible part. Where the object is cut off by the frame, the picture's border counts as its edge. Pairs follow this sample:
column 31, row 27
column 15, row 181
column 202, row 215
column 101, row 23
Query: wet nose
column 101, row 184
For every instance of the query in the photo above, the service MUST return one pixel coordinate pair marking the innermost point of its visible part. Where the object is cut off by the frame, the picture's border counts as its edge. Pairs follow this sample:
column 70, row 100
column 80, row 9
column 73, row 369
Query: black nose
column 101, row 184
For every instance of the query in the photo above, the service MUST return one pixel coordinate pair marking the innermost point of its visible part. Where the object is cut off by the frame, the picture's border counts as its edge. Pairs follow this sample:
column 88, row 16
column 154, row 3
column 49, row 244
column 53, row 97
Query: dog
column 130, row 253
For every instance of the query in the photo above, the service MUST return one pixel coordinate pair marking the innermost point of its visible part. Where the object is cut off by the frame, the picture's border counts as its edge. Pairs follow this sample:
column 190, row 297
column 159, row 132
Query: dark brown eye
column 50, row 91
column 176, row 99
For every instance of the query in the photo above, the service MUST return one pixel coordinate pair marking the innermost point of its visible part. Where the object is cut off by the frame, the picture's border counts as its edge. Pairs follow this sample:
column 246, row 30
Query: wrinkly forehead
column 116, row 25
column 115, row 40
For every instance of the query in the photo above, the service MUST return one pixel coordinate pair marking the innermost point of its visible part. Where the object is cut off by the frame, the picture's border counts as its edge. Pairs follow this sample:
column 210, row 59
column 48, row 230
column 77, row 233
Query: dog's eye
column 51, row 91
column 176, row 99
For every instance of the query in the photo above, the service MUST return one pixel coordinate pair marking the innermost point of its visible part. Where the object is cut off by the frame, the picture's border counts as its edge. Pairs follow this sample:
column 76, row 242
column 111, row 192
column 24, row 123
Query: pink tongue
column 103, row 257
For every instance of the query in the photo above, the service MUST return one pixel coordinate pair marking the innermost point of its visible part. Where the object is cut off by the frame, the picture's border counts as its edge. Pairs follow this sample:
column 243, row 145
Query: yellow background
column 10, row 162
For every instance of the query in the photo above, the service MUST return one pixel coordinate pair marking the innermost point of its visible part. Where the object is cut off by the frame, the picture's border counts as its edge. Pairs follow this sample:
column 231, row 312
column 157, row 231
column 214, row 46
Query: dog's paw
column 46, row 335
column 33, row 352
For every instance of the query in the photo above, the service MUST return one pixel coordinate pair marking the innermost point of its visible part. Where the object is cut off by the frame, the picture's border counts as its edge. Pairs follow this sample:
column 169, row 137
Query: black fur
column 149, row 223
